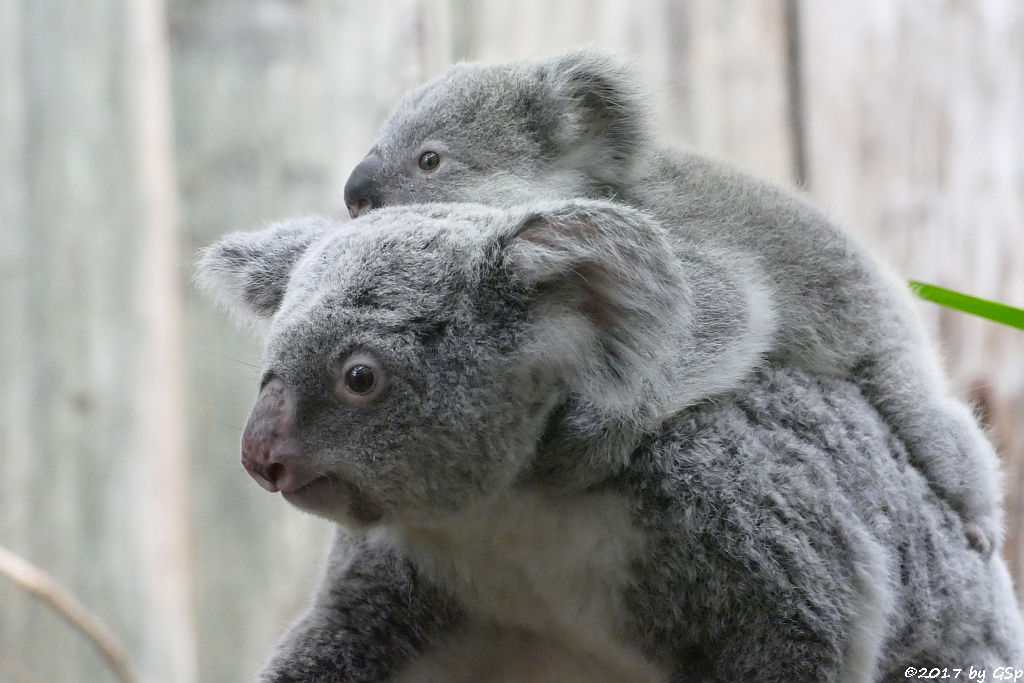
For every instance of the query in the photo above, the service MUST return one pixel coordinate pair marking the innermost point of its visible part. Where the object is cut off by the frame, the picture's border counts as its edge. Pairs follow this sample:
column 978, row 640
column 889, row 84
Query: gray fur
column 779, row 533
column 771, row 278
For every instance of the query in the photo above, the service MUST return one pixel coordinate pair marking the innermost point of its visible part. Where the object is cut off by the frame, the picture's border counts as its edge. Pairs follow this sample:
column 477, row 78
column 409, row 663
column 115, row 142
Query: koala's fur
column 778, row 533
column 774, row 279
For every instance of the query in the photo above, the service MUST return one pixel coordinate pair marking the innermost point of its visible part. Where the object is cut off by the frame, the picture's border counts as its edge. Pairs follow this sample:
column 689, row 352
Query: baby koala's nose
column 270, row 451
column 362, row 190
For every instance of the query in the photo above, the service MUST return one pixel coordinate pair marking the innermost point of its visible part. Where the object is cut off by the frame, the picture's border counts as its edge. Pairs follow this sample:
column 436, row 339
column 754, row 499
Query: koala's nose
column 270, row 451
column 362, row 190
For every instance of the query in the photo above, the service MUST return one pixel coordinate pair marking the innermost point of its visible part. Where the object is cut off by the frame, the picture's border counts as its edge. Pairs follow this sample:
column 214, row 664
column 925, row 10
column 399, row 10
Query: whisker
column 239, row 361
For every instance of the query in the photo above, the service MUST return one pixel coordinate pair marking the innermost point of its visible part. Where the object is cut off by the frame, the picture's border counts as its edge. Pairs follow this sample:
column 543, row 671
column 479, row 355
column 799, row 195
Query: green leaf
column 992, row 310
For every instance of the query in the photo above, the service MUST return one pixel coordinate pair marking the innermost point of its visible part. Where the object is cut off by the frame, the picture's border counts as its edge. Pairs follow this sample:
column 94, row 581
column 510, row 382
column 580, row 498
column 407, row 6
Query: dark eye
column 429, row 160
column 359, row 379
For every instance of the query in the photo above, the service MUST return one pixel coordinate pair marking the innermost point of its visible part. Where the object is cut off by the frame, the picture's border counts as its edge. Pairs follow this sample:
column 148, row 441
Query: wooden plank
column 162, row 529
column 101, row 469
column 16, row 387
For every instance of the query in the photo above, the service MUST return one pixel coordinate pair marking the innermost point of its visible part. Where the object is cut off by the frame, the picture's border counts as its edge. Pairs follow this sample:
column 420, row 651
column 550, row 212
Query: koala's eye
column 361, row 379
column 429, row 160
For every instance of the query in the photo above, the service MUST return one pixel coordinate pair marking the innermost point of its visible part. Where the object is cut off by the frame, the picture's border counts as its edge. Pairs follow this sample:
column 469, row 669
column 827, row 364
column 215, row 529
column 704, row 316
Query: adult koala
column 779, row 281
column 415, row 384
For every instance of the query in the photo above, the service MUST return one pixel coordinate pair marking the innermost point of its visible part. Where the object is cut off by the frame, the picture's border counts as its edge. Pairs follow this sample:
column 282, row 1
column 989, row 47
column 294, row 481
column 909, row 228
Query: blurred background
column 133, row 132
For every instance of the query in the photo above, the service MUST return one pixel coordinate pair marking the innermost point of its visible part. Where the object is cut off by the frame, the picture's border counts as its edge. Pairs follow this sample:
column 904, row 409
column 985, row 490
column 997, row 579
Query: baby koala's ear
column 610, row 296
column 606, row 120
column 247, row 272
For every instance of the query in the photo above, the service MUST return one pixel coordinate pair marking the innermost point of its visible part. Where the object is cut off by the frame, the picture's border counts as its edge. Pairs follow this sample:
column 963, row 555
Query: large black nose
column 362, row 190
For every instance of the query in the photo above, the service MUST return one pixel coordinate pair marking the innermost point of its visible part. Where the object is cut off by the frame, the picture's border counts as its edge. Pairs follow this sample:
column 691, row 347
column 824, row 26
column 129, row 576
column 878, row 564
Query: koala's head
column 412, row 365
column 507, row 134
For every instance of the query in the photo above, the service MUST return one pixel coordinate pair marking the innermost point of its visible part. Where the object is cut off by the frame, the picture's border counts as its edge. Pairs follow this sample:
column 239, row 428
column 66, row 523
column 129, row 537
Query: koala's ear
column 247, row 272
column 607, row 120
column 611, row 298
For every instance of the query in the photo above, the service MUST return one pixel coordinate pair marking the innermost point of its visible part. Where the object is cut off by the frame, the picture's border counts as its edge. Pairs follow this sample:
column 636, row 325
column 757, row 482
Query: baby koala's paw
column 977, row 496
column 984, row 535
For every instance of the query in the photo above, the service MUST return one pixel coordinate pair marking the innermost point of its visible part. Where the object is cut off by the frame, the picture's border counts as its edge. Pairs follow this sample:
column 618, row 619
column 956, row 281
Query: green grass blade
column 1000, row 313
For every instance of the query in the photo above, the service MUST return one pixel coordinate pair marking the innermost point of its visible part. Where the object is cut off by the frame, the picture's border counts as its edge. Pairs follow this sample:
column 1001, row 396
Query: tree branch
column 42, row 585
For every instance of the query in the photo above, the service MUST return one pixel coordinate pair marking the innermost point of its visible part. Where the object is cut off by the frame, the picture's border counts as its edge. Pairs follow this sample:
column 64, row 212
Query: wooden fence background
column 132, row 132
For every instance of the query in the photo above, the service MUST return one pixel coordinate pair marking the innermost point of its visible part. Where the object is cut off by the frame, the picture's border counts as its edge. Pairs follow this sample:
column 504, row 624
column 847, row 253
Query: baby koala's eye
column 361, row 379
column 429, row 160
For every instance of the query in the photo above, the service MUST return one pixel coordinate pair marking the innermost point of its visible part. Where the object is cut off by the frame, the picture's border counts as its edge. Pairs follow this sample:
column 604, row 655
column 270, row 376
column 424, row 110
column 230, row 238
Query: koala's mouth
column 319, row 490
column 331, row 496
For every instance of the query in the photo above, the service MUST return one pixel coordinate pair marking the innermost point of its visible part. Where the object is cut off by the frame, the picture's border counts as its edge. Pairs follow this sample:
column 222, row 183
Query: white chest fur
column 543, row 571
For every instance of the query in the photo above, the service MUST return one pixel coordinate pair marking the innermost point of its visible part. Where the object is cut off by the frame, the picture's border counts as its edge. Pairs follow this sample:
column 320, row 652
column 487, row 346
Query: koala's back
column 832, row 308
column 830, row 297
column 749, row 526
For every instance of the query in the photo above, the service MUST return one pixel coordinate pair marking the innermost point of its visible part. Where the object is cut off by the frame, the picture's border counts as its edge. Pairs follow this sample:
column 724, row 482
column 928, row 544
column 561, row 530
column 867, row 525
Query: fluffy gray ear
column 247, row 272
column 611, row 299
column 607, row 122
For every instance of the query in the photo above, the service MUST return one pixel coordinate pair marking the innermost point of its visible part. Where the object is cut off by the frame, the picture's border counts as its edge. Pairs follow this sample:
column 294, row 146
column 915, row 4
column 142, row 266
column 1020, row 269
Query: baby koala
column 421, row 366
column 778, row 281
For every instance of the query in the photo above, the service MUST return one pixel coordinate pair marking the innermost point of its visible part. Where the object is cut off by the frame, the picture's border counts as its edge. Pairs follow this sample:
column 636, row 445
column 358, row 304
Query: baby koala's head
column 508, row 133
column 413, row 358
